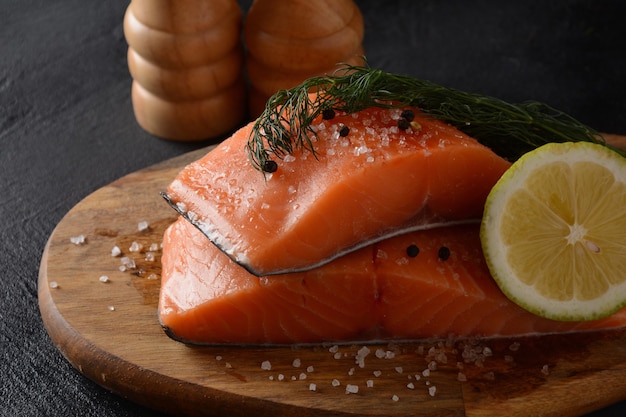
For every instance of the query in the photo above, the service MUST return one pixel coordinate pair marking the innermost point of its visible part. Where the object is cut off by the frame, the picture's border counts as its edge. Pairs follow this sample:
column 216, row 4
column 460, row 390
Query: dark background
column 67, row 128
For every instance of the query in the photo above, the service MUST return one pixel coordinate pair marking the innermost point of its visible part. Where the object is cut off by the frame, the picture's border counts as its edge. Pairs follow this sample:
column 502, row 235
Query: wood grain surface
column 110, row 333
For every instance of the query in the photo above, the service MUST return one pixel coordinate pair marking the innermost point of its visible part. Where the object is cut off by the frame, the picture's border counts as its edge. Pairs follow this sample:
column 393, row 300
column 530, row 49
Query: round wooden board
column 109, row 331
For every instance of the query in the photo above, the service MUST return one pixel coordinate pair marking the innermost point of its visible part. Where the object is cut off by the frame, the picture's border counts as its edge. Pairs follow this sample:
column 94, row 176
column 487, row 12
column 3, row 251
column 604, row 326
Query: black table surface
column 67, row 128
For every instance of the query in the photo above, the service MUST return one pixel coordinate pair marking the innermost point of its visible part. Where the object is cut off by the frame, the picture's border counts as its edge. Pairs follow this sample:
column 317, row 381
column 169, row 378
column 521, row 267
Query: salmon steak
column 423, row 284
column 370, row 178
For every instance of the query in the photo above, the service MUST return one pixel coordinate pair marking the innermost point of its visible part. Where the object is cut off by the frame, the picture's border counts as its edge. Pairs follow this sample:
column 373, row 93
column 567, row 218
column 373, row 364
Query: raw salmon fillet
column 424, row 284
column 367, row 179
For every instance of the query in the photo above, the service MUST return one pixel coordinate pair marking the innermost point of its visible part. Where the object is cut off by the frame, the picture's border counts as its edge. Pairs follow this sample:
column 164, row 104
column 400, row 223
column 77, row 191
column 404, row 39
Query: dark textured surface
column 67, row 128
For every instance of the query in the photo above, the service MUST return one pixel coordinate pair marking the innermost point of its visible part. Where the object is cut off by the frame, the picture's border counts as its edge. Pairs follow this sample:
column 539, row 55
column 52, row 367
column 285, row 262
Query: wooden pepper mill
column 290, row 41
column 186, row 60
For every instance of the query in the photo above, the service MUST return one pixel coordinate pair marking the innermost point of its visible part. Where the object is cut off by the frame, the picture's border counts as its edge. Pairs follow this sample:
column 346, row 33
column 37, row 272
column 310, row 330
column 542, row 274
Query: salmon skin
column 419, row 285
column 368, row 180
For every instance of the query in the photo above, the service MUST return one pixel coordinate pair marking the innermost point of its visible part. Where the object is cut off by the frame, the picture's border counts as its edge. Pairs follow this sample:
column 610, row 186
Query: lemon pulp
column 554, row 231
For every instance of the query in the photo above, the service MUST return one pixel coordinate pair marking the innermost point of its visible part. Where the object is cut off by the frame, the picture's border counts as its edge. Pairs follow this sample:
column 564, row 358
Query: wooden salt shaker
column 186, row 60
column 290, row 41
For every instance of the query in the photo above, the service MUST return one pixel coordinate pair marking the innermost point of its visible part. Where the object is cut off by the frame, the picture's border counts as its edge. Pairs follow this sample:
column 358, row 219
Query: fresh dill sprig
column 508, row 129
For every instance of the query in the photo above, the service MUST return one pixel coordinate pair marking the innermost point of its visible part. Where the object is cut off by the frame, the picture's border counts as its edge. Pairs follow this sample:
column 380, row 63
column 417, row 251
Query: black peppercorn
column 403, row 124
column 408, row 115
column 444, row 253
column 328, row 114
column 412, row 251
column 344, row 130
column 270, row 166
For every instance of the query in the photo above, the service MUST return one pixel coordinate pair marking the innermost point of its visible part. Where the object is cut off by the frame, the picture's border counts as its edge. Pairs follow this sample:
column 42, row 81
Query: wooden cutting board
column 110, row 333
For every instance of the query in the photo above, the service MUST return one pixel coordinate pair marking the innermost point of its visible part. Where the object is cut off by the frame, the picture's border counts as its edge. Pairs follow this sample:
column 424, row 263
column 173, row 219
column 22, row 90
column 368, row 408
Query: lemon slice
column 554, row 231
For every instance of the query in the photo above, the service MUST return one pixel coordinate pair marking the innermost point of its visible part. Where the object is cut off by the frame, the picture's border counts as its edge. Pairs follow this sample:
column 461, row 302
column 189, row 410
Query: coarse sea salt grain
column 361, row 150
column 103, row 278
column 402, row 261
column 135, row 247
column 116, row 251
column 361, row 355
column 335, row 383
column 54, row 284
column 432, row 391
column 78, row 240
column 296, row 363
column 381, row 254
column 128, row 262
column 312, row 387
column 352, row 389
column 310, row 368
column 395, row 398
column 142, row 226
column 266, row 365
column 369, row 383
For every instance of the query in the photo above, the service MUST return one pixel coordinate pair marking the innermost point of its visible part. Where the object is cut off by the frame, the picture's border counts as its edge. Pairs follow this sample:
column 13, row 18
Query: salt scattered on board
column 352, row 389
column 135, row 247
column 78, row 240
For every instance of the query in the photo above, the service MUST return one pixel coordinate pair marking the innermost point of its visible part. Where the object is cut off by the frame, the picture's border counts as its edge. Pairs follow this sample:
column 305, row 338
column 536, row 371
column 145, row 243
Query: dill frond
column 510, row 130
